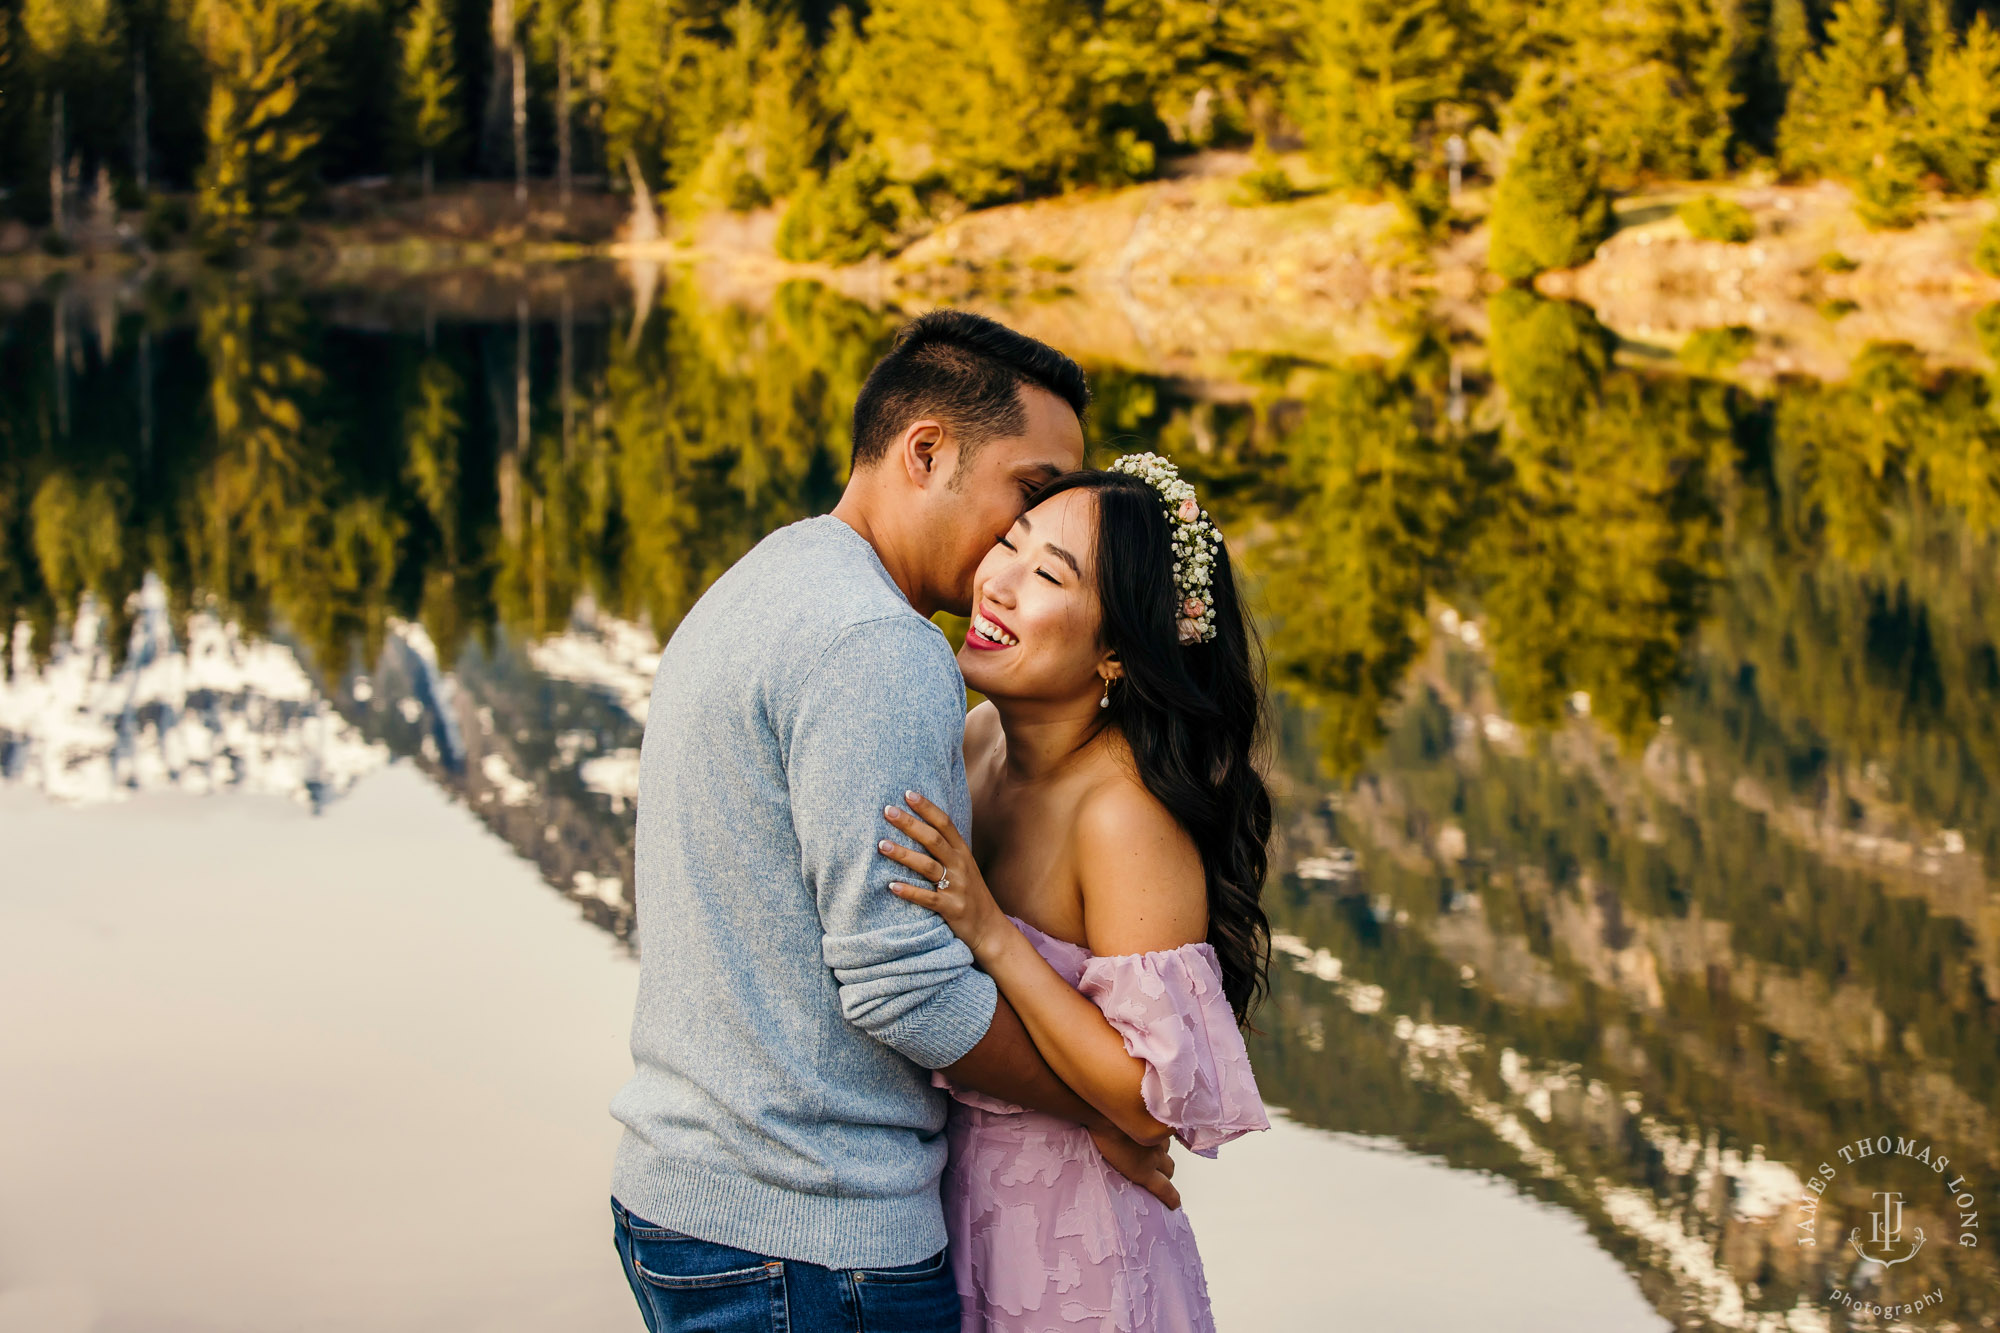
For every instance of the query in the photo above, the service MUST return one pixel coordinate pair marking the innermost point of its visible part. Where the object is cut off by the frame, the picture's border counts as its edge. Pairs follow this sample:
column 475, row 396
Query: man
column 783, row 1140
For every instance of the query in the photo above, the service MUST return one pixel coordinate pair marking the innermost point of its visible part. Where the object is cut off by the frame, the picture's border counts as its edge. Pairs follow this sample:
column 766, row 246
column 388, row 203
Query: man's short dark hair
column 967, row 371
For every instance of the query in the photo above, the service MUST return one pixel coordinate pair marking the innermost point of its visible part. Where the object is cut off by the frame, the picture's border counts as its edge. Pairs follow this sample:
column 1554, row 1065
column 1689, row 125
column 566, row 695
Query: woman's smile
column 988, row 634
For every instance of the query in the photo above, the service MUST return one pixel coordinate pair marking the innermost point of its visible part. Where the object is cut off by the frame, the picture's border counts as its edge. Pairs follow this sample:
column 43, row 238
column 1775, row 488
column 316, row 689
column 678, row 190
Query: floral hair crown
column 1195, row 540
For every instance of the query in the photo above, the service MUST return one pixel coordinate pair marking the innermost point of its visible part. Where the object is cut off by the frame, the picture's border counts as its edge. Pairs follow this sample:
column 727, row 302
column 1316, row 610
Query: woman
column 1119, row 848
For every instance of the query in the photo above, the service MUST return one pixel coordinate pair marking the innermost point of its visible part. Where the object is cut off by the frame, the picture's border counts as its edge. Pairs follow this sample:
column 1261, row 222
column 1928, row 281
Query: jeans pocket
column 915, row 1298
column 696, row 1285
column 924, row 1270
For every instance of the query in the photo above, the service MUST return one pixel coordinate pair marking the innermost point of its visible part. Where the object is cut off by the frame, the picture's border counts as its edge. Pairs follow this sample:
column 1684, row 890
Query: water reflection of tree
column 720, row 425
column 1580, row 523
column 83, row 480
column 1381, row 505
column 1600, row 524
column 324, row 479
column 1863, row 625
column 1594, row 565
column 276, row 526
column 438, row 545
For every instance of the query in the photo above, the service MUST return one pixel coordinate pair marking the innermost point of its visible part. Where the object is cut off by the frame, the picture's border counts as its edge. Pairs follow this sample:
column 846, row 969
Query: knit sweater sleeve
column 882, row 713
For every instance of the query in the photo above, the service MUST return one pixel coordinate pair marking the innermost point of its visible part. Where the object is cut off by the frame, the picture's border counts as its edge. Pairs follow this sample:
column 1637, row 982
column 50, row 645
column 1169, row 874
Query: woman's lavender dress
column 1047, row 1238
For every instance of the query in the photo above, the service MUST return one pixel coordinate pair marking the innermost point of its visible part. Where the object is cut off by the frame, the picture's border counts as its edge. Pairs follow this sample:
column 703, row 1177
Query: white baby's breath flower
column 1194, row 541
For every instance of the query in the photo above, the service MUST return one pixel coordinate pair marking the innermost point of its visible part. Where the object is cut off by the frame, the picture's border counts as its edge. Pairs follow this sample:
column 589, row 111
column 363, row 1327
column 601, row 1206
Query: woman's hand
column 962, row 899
column 1149, row 1166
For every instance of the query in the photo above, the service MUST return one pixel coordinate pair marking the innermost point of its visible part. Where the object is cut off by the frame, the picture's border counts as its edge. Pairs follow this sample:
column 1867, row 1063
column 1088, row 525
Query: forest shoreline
column 1183, row 276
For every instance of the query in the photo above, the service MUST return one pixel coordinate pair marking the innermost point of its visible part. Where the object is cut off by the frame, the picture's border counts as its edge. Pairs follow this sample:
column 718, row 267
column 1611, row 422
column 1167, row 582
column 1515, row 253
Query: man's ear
column 919, row 448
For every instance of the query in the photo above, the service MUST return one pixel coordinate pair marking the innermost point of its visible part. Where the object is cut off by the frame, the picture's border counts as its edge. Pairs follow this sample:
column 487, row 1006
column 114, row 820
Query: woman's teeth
column 986, row 629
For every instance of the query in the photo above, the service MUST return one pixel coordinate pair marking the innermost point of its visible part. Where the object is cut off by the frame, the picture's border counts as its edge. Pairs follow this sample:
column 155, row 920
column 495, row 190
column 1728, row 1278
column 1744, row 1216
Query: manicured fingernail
column 885, row 844
column 891, row 811
column 913, row 796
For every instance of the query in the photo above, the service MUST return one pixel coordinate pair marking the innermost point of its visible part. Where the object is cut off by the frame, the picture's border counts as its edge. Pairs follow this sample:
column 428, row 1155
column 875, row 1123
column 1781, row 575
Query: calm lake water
column 1638, row 755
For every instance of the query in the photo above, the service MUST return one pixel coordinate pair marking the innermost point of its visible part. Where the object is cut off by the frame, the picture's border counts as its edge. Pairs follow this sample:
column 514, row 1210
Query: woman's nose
column 1000, row 588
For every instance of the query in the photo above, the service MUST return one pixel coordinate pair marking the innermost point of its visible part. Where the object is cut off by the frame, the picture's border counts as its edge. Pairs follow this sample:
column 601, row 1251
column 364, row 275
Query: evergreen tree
column 856, row 211
column 1189, row 71
column 646, row 39
column 1376, row 76
column 430, row 84
column 433, row 426
column 258, row 142
column 72, row 50
column 786, row 124
column 1957, row 106
column 1595, row 565
column 1887, row 166
column 164, row 79
column 1549, row 209
column 986, row 98
column 590, row 57
column 352, row 87
column 12, row 86
column 1828, row 120
column 560, row 34
column 755, row 127
column 1663, row 84
column 1791, row 40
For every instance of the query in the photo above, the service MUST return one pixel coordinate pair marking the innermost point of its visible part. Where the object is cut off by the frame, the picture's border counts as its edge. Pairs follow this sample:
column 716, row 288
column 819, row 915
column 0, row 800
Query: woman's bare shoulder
column 1141, row 875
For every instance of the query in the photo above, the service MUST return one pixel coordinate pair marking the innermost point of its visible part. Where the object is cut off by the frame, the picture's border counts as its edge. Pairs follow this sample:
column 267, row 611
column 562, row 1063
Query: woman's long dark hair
column 1192, row 713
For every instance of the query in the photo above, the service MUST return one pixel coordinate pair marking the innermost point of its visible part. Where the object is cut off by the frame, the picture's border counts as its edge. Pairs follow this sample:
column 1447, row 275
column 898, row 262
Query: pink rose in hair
column 1193, row 607
column 1189, row 510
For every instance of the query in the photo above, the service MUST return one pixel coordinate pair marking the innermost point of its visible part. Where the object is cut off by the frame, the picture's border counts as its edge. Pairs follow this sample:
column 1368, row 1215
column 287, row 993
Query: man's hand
column 1151, row 1169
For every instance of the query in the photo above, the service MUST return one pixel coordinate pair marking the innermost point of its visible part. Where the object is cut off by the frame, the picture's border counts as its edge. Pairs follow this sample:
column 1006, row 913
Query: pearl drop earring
column 1105, row 702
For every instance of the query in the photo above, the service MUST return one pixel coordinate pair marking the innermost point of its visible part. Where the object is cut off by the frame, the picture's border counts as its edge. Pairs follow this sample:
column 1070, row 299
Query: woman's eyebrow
column 1066, row 557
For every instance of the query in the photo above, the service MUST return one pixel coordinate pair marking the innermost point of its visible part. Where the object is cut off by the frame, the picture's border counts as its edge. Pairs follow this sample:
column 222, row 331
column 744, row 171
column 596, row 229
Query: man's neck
column 859, row 509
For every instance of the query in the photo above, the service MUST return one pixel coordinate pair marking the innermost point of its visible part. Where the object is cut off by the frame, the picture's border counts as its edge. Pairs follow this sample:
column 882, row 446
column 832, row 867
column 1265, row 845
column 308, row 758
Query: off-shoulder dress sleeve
column 1170, row 1009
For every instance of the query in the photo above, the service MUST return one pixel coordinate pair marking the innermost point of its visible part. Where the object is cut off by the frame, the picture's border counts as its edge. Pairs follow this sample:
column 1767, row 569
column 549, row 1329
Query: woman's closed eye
column 1038, row 569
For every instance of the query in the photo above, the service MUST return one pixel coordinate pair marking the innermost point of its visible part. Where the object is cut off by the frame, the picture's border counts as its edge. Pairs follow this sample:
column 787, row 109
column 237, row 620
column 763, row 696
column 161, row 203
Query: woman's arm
column 1143, row 890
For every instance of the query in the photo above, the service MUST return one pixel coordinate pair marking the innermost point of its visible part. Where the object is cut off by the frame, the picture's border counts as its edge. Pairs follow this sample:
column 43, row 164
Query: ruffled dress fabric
column 1045, row 1236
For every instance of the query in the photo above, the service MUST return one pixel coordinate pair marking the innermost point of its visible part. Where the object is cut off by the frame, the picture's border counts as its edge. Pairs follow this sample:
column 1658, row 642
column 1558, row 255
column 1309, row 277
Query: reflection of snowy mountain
column 217, row 712
column 1685, row 1219
column 614, row 657
column 538, row 740
column 534, row 738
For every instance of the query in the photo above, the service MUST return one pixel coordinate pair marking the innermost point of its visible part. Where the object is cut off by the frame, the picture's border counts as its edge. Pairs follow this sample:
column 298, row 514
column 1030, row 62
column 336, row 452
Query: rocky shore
column 1812, row 287
column 1181, row 276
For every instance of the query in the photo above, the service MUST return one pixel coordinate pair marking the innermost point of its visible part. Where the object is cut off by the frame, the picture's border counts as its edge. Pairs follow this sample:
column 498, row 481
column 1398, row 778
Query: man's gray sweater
column 790, row 1006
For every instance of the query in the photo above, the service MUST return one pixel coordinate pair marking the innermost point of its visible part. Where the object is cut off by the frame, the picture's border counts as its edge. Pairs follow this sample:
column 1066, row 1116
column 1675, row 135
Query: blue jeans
column 684, row 1285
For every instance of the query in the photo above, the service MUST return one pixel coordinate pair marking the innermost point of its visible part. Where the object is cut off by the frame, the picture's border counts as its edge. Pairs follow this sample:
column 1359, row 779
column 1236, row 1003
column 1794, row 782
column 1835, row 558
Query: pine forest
column 866, row 125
